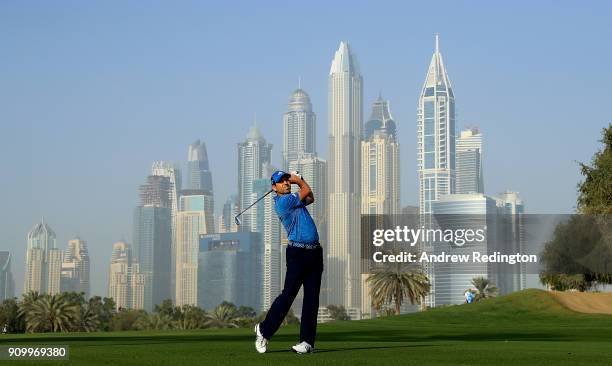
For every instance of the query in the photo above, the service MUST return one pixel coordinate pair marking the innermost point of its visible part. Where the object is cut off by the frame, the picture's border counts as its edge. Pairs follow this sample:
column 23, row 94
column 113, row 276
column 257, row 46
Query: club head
column 237, row 220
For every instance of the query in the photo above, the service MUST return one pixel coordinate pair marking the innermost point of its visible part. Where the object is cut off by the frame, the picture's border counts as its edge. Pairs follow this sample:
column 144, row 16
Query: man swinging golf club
column 304, row 263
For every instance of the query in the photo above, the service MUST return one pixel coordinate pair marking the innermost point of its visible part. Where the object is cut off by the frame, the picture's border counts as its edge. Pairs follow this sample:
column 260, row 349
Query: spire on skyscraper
column 436, row 74
column 344, row 61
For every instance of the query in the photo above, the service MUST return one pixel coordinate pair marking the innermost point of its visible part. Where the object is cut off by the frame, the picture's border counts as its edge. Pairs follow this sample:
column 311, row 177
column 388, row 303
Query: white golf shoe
column 261, row 344
column 302, row 348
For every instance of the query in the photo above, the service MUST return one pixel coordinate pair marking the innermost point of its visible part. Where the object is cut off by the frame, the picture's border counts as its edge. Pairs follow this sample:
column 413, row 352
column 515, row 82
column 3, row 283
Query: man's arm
column 305, row 192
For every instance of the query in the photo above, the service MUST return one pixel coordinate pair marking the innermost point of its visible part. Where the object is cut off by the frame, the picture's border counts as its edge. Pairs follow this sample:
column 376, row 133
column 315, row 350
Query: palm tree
column 87, row 320
column 154, row 321
column 224, row 315
column 27, row 301
column 484, row 288
column 51, row 313
column 396, row 282
column 192, row 317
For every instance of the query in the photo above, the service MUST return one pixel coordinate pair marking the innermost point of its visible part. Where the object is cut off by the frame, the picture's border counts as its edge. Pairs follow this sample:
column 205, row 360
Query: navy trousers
column 304, row 267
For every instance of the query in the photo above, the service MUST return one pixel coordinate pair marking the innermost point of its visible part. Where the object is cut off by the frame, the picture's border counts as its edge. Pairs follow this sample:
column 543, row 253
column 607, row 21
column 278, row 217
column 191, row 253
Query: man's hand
column 304, row 191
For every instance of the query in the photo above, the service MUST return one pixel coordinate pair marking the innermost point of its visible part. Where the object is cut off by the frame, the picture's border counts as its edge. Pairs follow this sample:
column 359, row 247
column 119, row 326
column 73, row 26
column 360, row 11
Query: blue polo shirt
column 296, row 219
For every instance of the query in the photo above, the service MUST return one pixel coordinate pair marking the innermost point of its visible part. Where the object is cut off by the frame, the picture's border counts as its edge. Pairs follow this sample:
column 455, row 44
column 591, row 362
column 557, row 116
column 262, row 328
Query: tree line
column 72, row 312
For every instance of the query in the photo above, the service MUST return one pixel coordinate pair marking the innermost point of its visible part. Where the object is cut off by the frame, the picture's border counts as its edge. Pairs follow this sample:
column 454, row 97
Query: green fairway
column 526, row 328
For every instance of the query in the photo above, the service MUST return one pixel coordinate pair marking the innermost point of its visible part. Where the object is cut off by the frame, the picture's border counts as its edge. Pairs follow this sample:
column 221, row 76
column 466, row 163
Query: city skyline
column 125, row 167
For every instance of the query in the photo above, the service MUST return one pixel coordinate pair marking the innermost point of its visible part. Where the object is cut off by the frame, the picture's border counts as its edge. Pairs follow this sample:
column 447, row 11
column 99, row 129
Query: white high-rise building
column 43, row 261
column 435, row 147
column 75, row 268
column 253, row 155
column 173, row 173
column 299, row 128
column 436, row 135
column 469, row 162
column 194, row 219
column 380, row 184
column 345, row 110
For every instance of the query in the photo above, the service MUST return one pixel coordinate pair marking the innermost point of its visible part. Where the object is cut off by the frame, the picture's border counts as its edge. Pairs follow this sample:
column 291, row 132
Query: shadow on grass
column 343, row 349
column 345, row 337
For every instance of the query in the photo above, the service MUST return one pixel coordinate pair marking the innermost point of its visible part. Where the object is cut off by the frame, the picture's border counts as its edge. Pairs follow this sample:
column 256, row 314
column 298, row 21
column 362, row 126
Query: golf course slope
column 530, row 327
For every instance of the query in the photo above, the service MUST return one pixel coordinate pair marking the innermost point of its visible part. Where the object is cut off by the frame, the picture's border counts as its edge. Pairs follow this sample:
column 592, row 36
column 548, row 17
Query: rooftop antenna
column 299, row 82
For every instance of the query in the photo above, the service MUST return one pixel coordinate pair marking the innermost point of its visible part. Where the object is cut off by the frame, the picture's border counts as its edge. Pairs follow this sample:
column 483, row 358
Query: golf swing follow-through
column 304, row 258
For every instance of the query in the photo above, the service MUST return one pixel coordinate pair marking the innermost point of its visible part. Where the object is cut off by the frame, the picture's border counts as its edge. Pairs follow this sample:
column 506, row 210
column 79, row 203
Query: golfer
column 304, row 263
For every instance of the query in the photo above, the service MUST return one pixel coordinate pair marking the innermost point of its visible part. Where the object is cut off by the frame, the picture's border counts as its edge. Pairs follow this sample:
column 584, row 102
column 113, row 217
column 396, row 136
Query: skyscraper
column 153, row 239
column 194, row 219
column 253, row 154
column 75, row 268
column 379, row 176
column 230, row 210
column 198, row 172
column 463, row 212
column 435, row 146
column 299, row 128
column 229, row 269
column 345, row 109
column 7, row 284
column 125, row 283
column 173, row 173
column 512, row 210
column 43, row 261
column 380, row 163
column 436, row 135
column 268, row 225
column 469, row 162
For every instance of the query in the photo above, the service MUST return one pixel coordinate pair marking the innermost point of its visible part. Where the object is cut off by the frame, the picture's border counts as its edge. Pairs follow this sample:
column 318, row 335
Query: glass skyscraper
column 253, row 156
column 7, row 285
column 230, row 269
column 153, row 239
column 469, row 162
column 299, row 127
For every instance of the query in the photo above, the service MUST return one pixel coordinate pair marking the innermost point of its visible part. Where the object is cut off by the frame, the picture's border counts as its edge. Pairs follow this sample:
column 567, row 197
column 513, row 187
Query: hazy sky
column 92, row 92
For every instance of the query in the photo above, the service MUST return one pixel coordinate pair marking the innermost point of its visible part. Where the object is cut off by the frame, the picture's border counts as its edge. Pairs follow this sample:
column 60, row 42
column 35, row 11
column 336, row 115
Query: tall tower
column 345, row 109
column 75, row 268
column 153, row 239
column 268, row 225
column 7, row 284
column 380, row 163
column 173, row 173
column 253, row 154
column 435, row 146
column 436, row 135
column 379, row 176
column 469, row 162
column 43, row 261
column 198, row 171
column 299, row 128
column 194, row 219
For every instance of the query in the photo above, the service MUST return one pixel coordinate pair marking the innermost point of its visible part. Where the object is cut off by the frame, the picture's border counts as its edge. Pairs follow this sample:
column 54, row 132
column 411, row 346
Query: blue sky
column 92, row 92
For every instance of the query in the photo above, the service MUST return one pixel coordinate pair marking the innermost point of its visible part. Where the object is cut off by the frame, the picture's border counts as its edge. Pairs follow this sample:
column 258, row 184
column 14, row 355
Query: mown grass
column 525, row 328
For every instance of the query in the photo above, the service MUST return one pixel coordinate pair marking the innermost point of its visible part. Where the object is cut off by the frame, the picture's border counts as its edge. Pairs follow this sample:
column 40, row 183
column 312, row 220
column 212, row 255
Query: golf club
column 237, row 220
